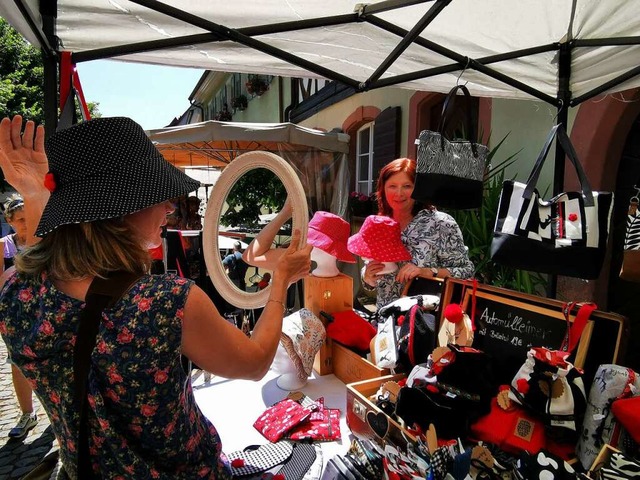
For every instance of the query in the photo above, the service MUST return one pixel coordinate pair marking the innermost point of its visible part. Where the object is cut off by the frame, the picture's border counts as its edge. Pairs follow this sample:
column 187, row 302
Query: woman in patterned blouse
column 433, row 238
column 142, row 416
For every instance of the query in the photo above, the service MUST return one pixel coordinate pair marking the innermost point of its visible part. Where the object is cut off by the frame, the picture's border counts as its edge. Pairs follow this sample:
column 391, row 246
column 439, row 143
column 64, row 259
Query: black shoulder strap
column 103, row 292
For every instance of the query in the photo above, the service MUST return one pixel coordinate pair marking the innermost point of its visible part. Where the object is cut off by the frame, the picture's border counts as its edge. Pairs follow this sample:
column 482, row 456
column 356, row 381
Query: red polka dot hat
column 330, row 233
column 105, row 168
column 379, row 239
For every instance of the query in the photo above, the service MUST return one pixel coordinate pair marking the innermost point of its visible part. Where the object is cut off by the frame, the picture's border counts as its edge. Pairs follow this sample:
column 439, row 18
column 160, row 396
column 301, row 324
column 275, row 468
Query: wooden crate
column 366, row 420
column 350, row 367
column 334, row 294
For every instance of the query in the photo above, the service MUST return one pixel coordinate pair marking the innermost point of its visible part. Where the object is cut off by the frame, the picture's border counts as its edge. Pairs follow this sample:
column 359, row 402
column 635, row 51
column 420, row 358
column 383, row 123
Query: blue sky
column 151, row 95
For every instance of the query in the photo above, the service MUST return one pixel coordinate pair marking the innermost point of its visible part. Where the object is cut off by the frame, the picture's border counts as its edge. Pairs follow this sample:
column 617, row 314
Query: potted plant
column 224, row 115
column 362, row 205
column 256, row 85
column 240, row 102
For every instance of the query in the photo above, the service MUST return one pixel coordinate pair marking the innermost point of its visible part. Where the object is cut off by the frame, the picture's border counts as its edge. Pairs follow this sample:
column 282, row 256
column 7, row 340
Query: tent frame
column 364, row 13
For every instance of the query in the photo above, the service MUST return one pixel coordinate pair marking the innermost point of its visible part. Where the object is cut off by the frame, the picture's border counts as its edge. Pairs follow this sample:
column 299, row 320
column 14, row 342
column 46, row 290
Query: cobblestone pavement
column 18, row 457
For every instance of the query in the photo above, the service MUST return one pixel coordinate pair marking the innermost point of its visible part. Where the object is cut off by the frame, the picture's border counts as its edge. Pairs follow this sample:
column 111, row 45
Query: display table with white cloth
column 234, row 405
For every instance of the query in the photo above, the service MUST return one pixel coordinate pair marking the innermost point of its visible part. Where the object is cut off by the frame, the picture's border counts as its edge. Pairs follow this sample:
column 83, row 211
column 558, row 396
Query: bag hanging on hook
column 565, row 235
column 631, row 253
column 450, row 173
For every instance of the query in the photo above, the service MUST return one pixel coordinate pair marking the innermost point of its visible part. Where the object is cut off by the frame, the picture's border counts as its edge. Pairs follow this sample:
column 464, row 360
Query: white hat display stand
column 283, row 366
column 326, row 264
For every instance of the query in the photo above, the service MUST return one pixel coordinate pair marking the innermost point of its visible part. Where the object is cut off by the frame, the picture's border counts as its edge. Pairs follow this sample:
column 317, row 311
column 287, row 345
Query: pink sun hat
column 379, row 239
column 330, row 233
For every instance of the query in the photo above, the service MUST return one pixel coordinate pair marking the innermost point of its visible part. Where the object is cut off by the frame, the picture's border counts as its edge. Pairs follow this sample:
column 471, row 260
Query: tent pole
column 564, row 98
column 49, row 13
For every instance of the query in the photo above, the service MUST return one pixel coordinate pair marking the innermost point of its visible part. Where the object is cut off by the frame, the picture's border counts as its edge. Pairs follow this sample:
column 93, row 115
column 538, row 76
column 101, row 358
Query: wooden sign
column 509, row 323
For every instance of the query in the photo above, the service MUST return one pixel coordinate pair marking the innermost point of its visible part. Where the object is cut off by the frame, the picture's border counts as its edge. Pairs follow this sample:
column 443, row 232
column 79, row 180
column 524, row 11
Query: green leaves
column 257, row 192
column 21, row 76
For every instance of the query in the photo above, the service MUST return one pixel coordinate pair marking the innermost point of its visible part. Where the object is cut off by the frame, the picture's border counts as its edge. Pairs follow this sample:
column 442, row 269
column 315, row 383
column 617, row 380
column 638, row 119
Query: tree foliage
column 21, row 76
column 257, row 192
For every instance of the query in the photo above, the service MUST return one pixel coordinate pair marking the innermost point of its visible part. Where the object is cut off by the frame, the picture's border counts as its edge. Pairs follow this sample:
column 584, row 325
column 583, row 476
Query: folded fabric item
column 627, row 411
column 301, row 460
column 259, row 458
column 322, row 425
column 278, row 419
column 351, row 330
column 544, row 465
column 315, row 471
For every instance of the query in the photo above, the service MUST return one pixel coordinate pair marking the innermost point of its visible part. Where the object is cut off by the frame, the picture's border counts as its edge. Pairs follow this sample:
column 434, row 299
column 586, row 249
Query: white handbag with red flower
column 548, row 384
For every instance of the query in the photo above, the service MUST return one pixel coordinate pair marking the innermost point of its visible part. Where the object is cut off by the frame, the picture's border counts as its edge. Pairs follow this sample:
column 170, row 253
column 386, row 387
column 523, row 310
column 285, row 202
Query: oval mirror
column 218, row 206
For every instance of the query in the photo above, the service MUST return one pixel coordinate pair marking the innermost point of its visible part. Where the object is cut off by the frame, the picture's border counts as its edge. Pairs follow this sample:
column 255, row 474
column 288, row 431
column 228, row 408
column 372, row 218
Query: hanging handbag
column 566, row 235
column 631, row 253
column 450, row 173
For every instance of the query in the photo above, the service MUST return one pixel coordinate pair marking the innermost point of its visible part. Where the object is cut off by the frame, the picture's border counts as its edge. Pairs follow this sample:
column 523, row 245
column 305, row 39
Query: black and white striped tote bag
column 565, row 235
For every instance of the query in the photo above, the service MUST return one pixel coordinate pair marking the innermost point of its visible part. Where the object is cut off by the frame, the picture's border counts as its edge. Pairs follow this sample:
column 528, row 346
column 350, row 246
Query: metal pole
column 564, row 97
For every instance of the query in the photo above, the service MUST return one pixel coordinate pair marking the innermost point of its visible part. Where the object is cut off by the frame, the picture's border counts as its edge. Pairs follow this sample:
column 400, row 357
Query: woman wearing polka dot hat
column 98, row 199
column 433, row 238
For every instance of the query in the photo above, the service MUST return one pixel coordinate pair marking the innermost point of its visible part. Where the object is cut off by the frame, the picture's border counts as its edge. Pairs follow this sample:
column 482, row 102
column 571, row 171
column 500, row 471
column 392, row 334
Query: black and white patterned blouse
column 434, row 240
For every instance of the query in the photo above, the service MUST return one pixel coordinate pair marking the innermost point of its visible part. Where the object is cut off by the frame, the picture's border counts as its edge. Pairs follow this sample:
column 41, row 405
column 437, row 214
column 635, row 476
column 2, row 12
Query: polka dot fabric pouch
column 282, row 417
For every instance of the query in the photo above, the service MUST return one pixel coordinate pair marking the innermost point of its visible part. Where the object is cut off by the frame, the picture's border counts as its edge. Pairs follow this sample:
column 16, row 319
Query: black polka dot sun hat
column 105, row 168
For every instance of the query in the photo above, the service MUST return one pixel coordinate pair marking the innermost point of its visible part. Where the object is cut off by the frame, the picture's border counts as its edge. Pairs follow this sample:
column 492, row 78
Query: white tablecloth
column 233, row 406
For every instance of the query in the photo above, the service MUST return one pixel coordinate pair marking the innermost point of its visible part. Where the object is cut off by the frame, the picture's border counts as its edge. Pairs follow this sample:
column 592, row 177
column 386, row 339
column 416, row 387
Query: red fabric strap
column 70, row 85
column 575, row 330
column 65, row 78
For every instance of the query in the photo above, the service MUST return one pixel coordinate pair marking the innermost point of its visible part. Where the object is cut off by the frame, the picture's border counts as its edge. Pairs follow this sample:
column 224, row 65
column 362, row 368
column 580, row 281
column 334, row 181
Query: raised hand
column 25, row 165
column 296, row 261
column 22, row 157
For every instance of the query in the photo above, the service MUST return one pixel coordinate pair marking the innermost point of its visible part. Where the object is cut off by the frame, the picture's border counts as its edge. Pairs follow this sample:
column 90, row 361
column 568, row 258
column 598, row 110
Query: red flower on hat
column 573, row 217
column 50, row 182
column 237, row 463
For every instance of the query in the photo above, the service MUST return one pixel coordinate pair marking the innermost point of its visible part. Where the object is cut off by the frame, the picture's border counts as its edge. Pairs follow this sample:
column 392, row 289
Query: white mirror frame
column 238, row 167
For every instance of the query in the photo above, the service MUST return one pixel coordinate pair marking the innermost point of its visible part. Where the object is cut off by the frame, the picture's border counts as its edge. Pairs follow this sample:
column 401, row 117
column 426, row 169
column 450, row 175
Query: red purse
column 509, row 426
column 627, row 412
column 282, row 417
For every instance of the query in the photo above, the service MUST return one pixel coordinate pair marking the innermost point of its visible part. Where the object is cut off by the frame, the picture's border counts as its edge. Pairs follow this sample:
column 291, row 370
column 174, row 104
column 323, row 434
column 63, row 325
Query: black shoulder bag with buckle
column 102, row 293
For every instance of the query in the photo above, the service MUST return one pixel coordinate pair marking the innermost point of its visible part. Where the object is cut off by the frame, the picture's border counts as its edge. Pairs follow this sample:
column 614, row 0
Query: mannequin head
column 283, row 365
column 326, row 263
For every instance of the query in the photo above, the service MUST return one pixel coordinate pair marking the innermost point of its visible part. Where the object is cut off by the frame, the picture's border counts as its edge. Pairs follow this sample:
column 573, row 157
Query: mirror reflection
column 253, row 201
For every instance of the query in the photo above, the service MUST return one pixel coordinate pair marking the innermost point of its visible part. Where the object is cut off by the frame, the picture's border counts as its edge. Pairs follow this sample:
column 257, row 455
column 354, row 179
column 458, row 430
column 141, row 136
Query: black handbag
column 566, row 235
column 450, row 173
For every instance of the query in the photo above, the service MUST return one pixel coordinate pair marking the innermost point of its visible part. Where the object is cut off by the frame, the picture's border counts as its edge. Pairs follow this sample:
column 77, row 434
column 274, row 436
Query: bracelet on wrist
column 284, row 307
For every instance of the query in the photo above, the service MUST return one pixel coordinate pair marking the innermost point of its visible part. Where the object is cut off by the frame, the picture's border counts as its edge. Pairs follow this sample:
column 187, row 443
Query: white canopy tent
column 511, row 48
column 560, row 51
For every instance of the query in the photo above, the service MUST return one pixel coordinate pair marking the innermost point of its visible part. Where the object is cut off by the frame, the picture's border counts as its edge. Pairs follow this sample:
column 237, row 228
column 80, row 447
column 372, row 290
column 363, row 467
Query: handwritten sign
column 506, row 329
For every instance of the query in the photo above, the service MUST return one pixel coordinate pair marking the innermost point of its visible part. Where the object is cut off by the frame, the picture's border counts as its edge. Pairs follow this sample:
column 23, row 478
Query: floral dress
column 433, row 239
column 143, row 418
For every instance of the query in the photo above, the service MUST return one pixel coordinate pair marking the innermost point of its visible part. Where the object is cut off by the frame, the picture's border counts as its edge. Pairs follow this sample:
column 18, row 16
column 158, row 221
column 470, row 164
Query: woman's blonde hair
column 11, row 205
column 81, row 250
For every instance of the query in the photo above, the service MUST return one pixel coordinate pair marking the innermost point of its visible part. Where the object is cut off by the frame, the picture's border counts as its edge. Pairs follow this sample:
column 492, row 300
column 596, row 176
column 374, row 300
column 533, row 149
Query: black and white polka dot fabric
column 106, row 168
